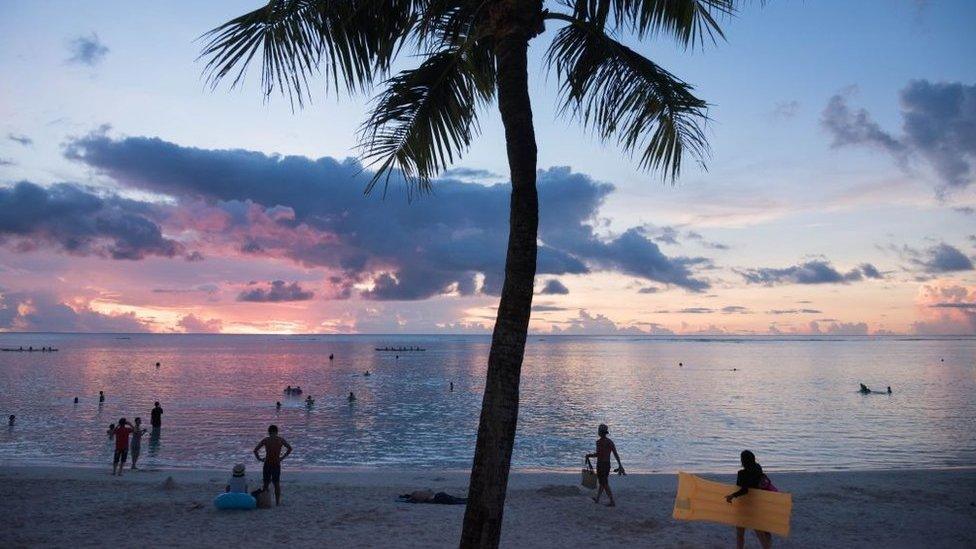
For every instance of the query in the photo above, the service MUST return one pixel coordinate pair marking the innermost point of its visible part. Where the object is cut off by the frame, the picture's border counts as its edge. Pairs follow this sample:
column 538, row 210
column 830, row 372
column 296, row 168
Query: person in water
column 889, row 389
column 351, row 397
column 278, row 405
column 272, row 459
column 750, row 476
column 101, row 397
column 76, row 400
column 605, row 447
column 237, row 482
column 309, row 401
column 111, row 430
column 135, row 446
column 157, row 365
column 11, row 420
column 864, row 389
column 122, row 432
column 156, row 416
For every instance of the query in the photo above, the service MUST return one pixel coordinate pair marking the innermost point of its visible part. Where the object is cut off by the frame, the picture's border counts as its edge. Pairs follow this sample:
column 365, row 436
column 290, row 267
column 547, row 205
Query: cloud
column 946, row 308
column 312, row 211
column 470, row 174
column 692, row 235
column 554, row 287
column 840, row 328
column 587, row 324
column 786, row 109
column 43, row 312
column 816, row 271
column 192, row 324
column 941, row 258
column 87, row 50
column 938, row 125
column 649, row 290
column 5, row 162
column 794, row 312
column 74, row 219
column 22, row 139
column 276, row 291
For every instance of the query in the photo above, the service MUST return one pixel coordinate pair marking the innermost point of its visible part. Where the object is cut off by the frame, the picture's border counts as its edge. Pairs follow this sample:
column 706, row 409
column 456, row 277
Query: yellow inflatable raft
column 700, row 499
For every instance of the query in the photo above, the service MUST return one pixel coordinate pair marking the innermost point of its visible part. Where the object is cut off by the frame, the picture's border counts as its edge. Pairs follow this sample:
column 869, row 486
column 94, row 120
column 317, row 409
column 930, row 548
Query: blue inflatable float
column 235, row 500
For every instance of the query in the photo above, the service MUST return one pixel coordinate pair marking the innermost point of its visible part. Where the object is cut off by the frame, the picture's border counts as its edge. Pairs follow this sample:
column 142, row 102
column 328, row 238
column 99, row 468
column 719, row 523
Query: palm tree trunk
column 499, row 407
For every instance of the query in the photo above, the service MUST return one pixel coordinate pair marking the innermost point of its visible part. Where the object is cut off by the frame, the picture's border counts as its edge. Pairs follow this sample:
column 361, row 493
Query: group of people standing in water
column 128, row 438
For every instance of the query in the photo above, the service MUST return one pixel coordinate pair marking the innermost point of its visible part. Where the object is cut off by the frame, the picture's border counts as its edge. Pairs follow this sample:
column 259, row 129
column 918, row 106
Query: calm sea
column 793, row 401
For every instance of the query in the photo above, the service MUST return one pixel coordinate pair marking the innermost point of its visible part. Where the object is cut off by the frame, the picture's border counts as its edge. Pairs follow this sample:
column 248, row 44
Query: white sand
column 67, row 507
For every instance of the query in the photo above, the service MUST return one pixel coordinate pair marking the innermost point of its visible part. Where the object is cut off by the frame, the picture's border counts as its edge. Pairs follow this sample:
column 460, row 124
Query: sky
column 839, row 195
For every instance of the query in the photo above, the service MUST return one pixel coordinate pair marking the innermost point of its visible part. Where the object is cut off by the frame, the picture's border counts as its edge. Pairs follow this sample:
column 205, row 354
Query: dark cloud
column 276, row 291
column 692, row 235
column 941, row 258
column 739, row 309
column 649, row 290
column 314, row 213
column 87, row 50
column 5, row 162
column 43, row 312
column 938, row 125
column 816, row 271
column 554, row 287
column 22, row 139
column 696, row 310
column 794, row 312
column 80, row 222
column 545, row 308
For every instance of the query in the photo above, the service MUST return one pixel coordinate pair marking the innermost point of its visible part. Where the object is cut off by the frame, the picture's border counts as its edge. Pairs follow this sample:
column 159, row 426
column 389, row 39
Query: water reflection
column 796, row 401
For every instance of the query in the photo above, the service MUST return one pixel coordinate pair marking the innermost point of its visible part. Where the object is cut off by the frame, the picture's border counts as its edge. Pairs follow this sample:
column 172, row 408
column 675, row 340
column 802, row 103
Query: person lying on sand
column 428, row 496
column 272, row 459
column 604, row 447
column 750, row 476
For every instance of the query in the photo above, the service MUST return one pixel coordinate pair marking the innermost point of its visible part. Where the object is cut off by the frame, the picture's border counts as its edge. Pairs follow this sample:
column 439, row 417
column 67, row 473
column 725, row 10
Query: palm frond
column 622, row 95
column 688, row 21
column 356, row 39
column 427, row 116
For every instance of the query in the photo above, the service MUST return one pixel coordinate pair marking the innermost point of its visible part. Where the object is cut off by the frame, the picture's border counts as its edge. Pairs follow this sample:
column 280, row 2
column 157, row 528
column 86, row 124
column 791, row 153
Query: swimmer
column 331, row 357
column 889, row 389
column 101, row 397
column 367, row 374
column 680, row 365
column 11, row 419
column 76, row 400
column 278, row 405
column 351, row 397
column 452, row 386
column 157, row 365
column 288, row 390
column 309, row 401
column 864, row 389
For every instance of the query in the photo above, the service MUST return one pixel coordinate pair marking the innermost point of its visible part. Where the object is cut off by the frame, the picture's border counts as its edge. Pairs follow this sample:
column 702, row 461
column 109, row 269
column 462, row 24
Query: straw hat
column 239, row 470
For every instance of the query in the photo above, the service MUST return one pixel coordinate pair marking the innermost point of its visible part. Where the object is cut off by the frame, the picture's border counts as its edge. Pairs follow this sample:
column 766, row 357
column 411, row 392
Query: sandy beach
column 61, row 507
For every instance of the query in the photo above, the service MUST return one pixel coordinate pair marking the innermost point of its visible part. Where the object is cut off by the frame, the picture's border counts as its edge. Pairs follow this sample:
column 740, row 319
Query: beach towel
column 700, row 499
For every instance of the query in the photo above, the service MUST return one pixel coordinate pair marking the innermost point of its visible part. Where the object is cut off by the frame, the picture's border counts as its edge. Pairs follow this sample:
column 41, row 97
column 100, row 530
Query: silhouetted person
column 864, row 389
column 157, row 365
column 111, row 430
column 272, row 459
column 331, row 357
column 452, row 386
column 889, row 389
column 680, row 365
column 76, row 400
column 309, row 401
column 750, row 476
column 351, row 397
column 156, row 416
column 122, row 432
column 278, row 405
column 604, row 448
column 135, row 446
column 11, row 419
column 101, row 397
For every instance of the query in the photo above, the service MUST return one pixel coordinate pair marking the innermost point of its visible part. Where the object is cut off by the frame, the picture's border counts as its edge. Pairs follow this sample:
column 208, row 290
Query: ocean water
column 793, row 401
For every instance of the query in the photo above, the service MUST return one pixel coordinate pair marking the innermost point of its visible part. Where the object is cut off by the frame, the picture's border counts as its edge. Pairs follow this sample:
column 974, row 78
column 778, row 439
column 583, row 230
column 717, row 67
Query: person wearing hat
column 238, row 482
column 605, row 447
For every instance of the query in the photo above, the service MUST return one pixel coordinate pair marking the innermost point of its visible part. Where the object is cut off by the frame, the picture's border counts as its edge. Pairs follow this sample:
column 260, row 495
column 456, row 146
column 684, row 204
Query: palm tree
column 472, row 53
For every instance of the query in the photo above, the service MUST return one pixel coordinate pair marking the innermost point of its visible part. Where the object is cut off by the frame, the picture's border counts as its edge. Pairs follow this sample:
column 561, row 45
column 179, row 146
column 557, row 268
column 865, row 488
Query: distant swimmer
column 864, row 390
column 452, row 386
column 278, row 405
column 367, row 374
column 889, row 389
column 331, row 356
column 157, row 365
column 11, row 419
column 309, row 401
column 76, row 400
column 680, row 364
column 101, row 397
column 351, row 397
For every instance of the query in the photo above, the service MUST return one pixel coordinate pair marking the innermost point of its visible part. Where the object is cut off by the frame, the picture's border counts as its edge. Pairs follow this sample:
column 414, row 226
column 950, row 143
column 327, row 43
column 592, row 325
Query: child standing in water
column 135, row 446
column 605, row 447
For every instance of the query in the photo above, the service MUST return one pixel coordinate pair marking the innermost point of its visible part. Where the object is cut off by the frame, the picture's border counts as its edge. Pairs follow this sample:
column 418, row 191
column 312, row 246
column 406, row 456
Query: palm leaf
column 622, row 95
column 688, row 21
column 427, row 116
column 356, row 39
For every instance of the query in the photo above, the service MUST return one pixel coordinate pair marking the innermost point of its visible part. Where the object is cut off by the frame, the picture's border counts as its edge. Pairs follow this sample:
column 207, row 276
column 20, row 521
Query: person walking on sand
column 122, row 432
column 750, row 476
column 605, row 447
column 135, row 446
column 272, row 459
column 156, row 416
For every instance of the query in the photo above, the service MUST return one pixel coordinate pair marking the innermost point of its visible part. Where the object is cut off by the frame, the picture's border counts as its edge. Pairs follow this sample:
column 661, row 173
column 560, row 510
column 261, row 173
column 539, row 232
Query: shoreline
column 64, row 506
